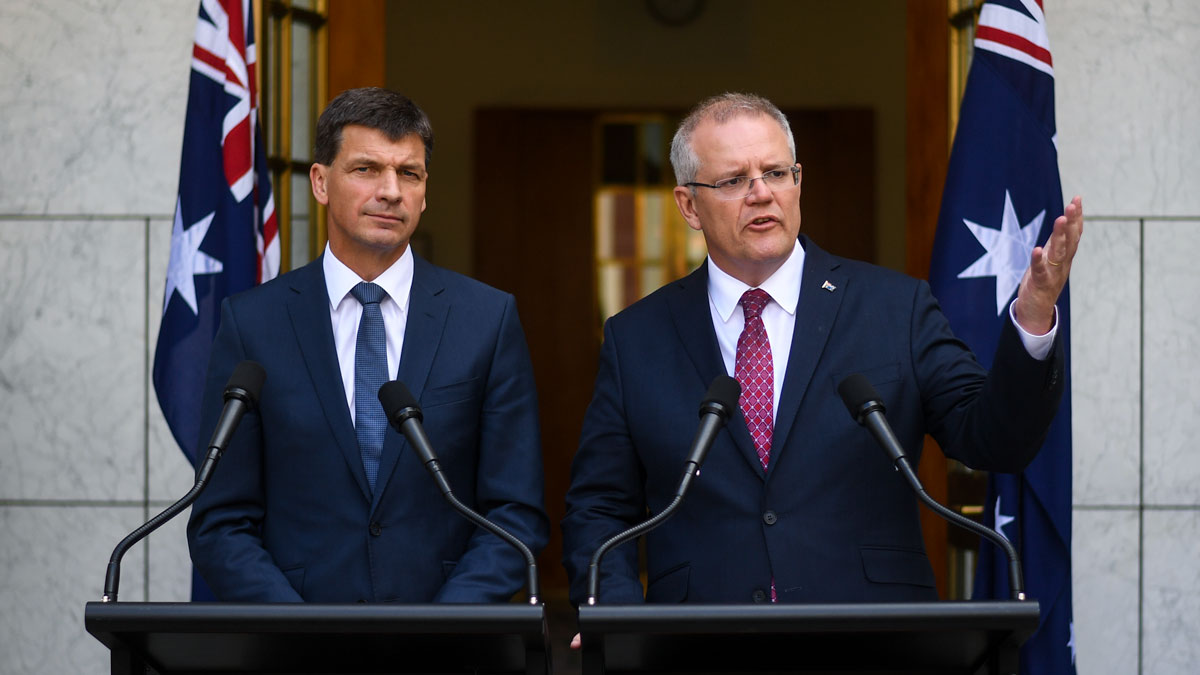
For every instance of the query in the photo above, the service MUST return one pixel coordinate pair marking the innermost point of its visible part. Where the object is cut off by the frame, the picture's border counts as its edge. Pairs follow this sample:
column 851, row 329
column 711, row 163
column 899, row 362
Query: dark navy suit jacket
column 289, row 516
column 830, row 520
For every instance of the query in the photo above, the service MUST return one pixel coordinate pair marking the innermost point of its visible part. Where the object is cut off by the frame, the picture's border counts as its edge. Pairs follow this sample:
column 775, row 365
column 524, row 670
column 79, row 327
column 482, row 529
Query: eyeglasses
column 740, row 186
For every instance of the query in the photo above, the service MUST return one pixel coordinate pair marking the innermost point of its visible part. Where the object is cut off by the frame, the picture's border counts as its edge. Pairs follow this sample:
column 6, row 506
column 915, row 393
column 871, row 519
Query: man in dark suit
column 316, row 499
column 795, row 503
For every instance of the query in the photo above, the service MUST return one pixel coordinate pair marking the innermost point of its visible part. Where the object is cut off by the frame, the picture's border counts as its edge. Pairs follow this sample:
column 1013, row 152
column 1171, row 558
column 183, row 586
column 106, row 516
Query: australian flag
column 224, row 237
column 1001, row 198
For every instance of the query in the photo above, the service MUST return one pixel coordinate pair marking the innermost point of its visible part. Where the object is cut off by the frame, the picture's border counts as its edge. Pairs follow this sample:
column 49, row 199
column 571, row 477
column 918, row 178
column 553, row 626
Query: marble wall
column 92, row 94
column 1128, row 88
column 91, row 111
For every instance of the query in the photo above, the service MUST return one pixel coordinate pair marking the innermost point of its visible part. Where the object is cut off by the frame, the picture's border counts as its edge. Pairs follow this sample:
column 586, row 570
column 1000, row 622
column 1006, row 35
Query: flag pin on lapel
column 828, row 286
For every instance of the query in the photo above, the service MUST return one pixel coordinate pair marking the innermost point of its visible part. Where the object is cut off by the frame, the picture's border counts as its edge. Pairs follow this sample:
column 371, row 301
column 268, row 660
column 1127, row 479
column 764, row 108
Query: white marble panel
column 170, row 564
column 1127, row 84
column 171, row 476
column 53, row 561
column 1104, row 570
column 93, row 104
column 1171, row 592
column 1172, row 363
column 72, row 359
column 1105, row 370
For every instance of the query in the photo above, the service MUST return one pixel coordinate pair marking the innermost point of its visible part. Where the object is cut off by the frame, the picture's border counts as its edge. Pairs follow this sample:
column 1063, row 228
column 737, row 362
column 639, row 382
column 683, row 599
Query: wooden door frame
column 927, row 155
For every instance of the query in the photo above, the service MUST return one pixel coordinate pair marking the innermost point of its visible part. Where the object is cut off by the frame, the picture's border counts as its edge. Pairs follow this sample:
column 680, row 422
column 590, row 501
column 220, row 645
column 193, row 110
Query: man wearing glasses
column 796, row 502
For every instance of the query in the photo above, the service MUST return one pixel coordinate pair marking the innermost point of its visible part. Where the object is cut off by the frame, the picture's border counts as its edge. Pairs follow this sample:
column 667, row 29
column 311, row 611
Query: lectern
column 195, row 638
column 936, row 637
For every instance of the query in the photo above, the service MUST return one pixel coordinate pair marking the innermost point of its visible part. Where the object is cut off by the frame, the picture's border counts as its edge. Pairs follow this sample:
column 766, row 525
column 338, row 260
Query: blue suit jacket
column 288, row 515
column 830, row 520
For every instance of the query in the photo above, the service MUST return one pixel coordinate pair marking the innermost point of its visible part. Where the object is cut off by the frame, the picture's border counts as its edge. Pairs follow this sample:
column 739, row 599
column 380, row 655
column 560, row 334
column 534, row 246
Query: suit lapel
column 308, row 308
column 815, row 312
column 427, row 310
column 694, row 325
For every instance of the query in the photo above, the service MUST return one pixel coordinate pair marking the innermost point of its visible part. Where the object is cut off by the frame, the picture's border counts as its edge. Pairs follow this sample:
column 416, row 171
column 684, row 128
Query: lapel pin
column 828, row 286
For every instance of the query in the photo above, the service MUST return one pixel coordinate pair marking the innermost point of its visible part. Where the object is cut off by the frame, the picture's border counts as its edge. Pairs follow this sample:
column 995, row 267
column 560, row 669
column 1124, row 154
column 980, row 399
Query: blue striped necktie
column 370, row 372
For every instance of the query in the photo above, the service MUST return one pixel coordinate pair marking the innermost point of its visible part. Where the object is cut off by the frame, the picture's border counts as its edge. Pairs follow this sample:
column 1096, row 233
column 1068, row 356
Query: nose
column 388, row 188
column 758, row 190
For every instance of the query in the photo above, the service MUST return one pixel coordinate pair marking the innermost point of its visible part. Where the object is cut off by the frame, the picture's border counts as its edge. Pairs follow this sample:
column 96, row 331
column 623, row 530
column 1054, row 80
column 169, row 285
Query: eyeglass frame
column 795, row 169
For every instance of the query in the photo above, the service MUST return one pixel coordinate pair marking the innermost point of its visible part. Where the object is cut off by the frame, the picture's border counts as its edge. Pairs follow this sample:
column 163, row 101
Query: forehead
column 740, row 141
column 359, row 142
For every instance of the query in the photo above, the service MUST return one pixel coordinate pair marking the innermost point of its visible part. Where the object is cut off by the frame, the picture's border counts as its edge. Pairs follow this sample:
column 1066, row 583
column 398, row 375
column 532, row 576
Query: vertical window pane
column 605, row 225
column 301, row 222
column 624, row 243
column 610, row 289
column 302, row 40
column 653, row 276
column 629, row 279
column 274, row 31
column 652, row 244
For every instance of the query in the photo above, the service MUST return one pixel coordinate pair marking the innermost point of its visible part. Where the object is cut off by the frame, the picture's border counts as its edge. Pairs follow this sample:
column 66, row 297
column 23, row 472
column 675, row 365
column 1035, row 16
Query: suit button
column 759, row 595
column 376, row 529
column 769, row 517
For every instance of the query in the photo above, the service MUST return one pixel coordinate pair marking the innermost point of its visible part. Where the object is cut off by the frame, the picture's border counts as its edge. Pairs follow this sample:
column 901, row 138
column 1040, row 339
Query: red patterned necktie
column 755, row 371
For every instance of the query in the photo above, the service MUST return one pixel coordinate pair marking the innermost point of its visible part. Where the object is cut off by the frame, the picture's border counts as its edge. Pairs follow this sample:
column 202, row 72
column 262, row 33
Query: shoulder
column 658, row 305
column 274, row 292
column 455, row 287
column 860, row 277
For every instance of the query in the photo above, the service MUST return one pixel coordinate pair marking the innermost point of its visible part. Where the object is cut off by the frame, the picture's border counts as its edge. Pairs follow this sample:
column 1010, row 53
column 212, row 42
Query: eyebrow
column 367, row 160
column 744, row 171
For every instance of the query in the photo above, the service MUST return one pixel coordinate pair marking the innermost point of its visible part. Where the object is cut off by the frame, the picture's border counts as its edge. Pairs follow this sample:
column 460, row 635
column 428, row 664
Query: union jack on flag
column 224, row 238
column 1001, row 197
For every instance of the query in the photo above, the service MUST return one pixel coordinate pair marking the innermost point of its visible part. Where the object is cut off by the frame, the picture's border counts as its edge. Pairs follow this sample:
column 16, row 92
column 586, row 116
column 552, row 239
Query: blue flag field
column 1001, row 198
column 224, row 236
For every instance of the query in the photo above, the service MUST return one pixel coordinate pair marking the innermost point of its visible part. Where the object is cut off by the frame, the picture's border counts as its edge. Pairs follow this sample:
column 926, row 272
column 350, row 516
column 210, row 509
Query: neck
column 368, row 265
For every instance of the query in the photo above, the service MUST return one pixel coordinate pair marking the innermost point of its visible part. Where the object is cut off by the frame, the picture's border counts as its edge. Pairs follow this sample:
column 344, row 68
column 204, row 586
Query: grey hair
column 720, row 109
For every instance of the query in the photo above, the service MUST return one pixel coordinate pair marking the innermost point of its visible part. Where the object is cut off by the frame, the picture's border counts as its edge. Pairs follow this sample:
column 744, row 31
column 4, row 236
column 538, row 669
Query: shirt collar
column 395, row 280
column 724, row 291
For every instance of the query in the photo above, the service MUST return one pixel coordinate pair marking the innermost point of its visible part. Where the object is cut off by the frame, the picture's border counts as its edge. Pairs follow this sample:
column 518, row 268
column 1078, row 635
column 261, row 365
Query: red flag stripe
column 1014, row 41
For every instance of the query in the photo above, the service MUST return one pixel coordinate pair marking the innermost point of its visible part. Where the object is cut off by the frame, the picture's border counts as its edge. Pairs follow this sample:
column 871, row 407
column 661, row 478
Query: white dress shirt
column 345, row 312
column 779, row 316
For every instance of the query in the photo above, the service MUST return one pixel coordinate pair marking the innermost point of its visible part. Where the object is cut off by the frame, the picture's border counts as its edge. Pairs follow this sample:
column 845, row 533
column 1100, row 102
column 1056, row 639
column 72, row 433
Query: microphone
column 719, row 403
column 241, row 396
column 867, row 410
column 404, row 414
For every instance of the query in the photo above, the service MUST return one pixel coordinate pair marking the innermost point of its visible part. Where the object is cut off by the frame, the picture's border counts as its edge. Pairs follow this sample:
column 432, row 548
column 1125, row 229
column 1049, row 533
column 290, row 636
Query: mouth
column 762, row 223
column 386, row 217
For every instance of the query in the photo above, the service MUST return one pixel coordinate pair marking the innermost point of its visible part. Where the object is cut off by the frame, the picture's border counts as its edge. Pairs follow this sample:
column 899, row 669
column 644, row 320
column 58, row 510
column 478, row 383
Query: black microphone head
column 398, row 402
column 858, row 395
column 246, row 382
column 722, row 397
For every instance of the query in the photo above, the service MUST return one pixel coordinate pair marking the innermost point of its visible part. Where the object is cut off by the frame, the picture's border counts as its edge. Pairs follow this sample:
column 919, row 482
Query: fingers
column 576, row 643
column 1060, row 248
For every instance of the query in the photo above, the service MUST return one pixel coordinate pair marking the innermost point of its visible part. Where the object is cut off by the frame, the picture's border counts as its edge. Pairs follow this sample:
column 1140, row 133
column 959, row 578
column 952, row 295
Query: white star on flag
column 1071, row 642
column 1002, row 520
column 187, row 260
column 1008, row 251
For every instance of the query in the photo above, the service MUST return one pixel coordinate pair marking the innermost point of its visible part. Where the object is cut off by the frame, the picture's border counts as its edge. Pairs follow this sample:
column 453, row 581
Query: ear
column 316, row 176
column 686, row 201
column 424, row 203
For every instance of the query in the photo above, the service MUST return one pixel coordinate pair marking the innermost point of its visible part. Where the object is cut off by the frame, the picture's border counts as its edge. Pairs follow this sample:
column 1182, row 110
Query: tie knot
column 368, row 293
column 753, row 302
